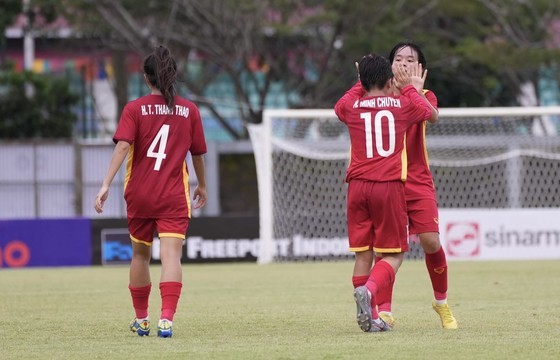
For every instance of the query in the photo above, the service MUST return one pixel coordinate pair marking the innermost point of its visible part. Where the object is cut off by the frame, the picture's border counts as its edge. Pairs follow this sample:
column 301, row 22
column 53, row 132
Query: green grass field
column 506, row 310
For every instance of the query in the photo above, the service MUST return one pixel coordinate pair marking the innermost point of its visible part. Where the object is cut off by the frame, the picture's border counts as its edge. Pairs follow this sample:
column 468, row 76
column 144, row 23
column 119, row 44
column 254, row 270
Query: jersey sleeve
column 355, row 92
column 431, row 97
column 198, row 146
column 418, row 108
column 127, row 125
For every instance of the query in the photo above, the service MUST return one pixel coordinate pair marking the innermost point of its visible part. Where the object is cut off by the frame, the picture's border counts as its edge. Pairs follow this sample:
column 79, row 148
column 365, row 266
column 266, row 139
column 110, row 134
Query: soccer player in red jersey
column 157, row 131
column 421, row 200
column 376, row 208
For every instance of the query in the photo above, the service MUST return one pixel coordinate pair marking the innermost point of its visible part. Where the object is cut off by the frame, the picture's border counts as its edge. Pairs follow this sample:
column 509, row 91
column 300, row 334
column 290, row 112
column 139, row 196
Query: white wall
column 500, row 234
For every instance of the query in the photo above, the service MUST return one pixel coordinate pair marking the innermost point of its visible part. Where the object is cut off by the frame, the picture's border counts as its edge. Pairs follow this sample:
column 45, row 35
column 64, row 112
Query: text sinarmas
column 158, row 109
column 380, row 102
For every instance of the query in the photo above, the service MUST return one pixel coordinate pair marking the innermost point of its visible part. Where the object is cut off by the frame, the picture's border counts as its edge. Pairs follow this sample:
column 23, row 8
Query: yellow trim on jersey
column 349, row 157
column 129, row 165
column 404, row 161
column 424, row 144
column 140, row 241
column 186, row 185
column 391, row 250
column 359, row 249
column 172, row 235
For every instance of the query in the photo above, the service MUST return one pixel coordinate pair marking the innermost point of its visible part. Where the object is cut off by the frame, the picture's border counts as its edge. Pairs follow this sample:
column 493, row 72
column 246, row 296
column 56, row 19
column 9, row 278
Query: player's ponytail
column 161, row 70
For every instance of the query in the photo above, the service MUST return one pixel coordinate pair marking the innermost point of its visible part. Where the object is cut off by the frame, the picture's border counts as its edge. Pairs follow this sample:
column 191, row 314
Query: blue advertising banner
column 116, row 247
column 65, row 242
column 209, row 239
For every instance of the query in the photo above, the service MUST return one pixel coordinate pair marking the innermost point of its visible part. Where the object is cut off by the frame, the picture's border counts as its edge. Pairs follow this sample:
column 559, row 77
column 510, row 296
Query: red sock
column 384, row 296
column 381, row 276
column 140, row 297
column 359, row 280
column 437, row 268
column 170, row 294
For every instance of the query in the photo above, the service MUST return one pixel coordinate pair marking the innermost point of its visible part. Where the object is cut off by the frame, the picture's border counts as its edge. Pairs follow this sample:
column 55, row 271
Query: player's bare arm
column 200, row 194
column 119, row 154
column 420, row 75
column 418, row 79
column 435, row 113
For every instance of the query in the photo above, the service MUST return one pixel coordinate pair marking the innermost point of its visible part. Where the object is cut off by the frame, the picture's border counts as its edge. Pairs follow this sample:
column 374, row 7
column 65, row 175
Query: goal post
column 480, row 158
column 265, row 138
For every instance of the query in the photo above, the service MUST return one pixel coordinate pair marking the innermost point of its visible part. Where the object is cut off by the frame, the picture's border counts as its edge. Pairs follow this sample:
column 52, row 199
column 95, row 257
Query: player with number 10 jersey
column 157, row 179
column 377, row 127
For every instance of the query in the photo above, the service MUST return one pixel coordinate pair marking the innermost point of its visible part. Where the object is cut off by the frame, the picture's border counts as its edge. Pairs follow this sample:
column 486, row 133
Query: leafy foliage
column 479, row 52
column 32, row 105
column 10, row 9
column 45, row 114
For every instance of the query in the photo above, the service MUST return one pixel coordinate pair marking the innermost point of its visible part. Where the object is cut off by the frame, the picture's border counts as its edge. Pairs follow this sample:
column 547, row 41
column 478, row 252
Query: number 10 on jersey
column 378, row 131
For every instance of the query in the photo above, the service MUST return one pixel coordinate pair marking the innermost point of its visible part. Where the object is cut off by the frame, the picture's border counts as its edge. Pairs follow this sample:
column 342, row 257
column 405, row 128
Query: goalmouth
column 479, row 157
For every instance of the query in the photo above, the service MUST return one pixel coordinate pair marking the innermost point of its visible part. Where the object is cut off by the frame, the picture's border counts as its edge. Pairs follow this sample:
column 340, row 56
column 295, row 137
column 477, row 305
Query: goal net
column 479, row 157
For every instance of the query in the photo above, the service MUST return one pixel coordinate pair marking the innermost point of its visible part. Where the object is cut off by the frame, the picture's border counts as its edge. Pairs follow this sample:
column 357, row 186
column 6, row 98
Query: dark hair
column 161, row 71
column 413, row 46
column 375, row 71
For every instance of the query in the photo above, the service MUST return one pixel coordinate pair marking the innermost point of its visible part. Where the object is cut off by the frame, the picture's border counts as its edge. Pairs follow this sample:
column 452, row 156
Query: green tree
column 32, row 105
column 46, row 114
column 10, row 10
column 253, row 44
column 479, row 51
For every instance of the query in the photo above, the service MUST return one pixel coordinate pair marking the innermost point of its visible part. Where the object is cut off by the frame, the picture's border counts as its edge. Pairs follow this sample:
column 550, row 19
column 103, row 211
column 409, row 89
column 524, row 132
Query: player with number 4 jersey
column 157, row 180
column 157, row 131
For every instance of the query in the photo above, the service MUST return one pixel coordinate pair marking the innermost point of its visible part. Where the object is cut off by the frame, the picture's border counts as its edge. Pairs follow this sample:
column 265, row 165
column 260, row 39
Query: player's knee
column 394, row 259
column 141, row 256
column 430, row 242
column 364, row 258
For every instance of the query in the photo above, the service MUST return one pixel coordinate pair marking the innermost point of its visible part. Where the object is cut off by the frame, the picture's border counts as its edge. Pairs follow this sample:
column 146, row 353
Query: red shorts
column 142, row 230
column 422, row 216
column 377, row 216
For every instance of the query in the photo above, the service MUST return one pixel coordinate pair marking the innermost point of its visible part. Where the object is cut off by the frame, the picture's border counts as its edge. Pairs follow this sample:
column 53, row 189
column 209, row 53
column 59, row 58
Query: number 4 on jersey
column 160, row 138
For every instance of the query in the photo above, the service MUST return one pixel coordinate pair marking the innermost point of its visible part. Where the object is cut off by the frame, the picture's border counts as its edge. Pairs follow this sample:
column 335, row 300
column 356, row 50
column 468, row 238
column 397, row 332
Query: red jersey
column 157, row 179
column 420, row 183
column 377, row 127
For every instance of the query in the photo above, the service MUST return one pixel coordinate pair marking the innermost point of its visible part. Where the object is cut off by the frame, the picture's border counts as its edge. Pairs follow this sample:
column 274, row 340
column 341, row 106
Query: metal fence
column 46, row 179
